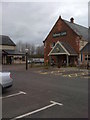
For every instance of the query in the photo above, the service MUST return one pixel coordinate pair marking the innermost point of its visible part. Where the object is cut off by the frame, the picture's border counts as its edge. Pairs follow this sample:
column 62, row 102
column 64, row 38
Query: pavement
column 46, row 93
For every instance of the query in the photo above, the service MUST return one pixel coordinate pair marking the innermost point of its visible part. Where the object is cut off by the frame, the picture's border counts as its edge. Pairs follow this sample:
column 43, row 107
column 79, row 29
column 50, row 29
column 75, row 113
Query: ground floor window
column 23, row 58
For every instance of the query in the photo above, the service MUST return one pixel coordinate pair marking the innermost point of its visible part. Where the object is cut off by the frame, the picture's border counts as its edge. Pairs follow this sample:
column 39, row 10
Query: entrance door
column 61, row 60
column 9, row 60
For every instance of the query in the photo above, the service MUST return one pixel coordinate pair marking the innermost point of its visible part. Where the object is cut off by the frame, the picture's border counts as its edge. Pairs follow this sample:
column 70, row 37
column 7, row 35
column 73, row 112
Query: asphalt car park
column 65, row 72
column 45, row 93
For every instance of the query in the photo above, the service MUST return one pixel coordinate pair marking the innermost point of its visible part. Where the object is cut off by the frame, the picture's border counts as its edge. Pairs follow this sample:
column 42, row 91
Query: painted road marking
column 52, row 72
column 38, row 110
column 44, row 73
column 64, row 75
column 56, row 103
column 58, row 73
column 69, row 75
column 19, row 93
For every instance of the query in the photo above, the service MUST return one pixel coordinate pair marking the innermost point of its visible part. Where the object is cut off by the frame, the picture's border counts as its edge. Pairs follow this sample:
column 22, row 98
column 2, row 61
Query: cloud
column 32, row 21
column 64, row 1
column 89, row 13
column 0, row 18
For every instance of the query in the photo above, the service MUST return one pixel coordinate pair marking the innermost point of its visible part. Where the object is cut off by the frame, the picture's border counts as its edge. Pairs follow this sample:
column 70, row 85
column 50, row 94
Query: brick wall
column 71, row 37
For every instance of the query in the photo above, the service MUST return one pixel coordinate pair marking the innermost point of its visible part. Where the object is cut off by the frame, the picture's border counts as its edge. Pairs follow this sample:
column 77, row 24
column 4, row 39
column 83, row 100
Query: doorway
column 61, row 60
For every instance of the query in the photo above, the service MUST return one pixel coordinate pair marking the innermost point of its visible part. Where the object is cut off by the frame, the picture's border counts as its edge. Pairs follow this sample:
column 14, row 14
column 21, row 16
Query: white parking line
column 19, row 93
column 69, row 75
column 38, row 110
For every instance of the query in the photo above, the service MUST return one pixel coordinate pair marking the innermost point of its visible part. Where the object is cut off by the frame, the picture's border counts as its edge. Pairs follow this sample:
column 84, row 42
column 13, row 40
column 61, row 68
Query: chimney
column 60, row 17
column 72, row 20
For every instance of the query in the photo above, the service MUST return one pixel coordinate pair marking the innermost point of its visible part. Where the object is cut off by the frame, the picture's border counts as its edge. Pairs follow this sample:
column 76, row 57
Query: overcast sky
column 32, row 21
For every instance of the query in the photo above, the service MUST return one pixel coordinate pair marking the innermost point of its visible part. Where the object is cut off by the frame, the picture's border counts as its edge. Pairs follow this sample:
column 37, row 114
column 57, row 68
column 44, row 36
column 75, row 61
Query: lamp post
column 26, row 58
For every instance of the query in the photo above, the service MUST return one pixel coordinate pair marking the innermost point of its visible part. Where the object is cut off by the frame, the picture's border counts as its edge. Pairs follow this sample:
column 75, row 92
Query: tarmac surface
column 46, row 93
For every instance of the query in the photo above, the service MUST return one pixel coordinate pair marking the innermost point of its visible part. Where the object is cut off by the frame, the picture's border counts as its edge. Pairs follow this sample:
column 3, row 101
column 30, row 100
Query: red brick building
column 64, row 42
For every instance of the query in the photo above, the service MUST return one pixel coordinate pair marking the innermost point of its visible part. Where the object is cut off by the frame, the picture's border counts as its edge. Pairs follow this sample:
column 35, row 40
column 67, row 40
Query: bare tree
column 19, row 46
column 40, row 50
column 32, row 50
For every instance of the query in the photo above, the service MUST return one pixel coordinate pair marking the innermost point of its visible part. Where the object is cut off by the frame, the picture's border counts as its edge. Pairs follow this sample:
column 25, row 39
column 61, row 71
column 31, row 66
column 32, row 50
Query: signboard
column 59, row 34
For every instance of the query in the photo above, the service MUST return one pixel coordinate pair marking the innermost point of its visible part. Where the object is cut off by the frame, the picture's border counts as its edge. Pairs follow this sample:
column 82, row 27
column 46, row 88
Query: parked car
column 6, row 80
column 29, row 61
column 38, row 60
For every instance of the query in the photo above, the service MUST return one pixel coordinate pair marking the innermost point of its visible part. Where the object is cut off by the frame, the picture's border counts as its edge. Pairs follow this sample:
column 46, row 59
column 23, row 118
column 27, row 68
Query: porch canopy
column 8, row 54
column 63, row 48
column 12, row 52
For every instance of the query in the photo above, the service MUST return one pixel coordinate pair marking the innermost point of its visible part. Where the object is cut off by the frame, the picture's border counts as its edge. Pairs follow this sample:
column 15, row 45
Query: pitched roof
column 86, row 49
column 69, row 48
column 78, row 29
column 62, row 48
column 6, row 40
column 13, row 52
